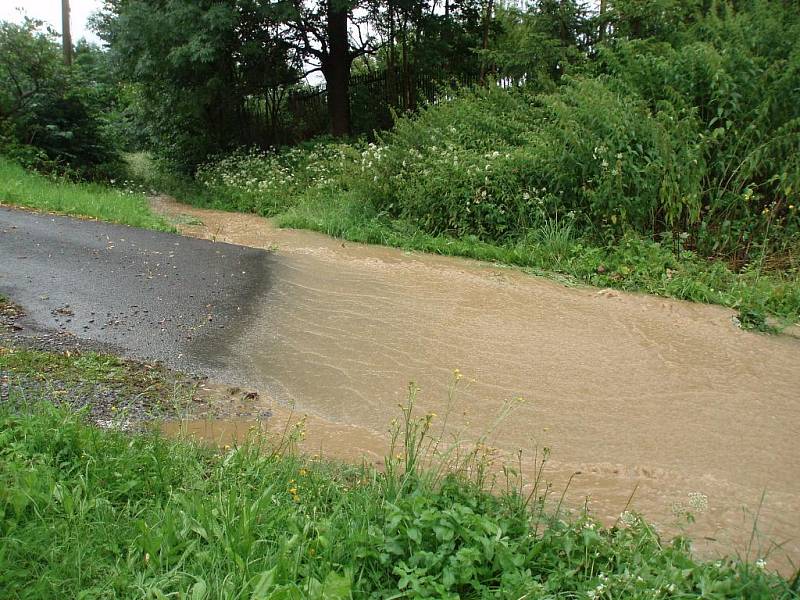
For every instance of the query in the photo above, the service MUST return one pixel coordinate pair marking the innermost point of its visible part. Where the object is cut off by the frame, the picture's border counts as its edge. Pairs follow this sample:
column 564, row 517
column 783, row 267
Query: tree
column 538, row 45
column 320, row 34
column 66, row 35
column 199, row 65
column 51, row 116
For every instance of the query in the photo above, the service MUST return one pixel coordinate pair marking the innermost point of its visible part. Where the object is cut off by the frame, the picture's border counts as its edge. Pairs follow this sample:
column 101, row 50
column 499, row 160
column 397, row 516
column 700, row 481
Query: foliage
column 193, row 66
column 23, row 188
column 52, row 117
column 91, row 513
column 737, row 71
column 515, row 160
column 267, row 182
column 541, row 44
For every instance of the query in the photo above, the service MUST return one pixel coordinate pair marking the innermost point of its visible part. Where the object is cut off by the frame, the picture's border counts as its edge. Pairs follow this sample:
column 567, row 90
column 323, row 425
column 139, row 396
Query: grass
column 88, row 513
column 72, row 367
column 22, row 188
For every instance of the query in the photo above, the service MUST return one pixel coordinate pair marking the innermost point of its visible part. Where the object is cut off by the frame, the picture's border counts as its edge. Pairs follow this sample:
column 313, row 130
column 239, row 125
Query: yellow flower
column 303, row 472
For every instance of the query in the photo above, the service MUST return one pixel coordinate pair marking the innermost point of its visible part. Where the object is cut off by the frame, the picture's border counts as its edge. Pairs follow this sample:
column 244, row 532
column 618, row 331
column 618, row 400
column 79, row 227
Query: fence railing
column 373, row 96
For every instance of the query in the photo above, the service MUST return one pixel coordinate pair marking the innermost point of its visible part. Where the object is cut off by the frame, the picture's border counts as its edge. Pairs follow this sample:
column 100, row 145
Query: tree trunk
column 336, row 69
column 487, row 21
column 391, row 71
column 66, row 35
column 602, row 33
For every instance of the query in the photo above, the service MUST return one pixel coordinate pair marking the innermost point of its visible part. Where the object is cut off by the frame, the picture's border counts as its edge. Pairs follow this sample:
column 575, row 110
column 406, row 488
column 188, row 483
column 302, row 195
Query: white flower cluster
column 262, row 172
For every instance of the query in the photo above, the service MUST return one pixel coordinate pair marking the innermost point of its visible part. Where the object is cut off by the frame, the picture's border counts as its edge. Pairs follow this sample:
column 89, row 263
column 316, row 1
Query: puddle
column 632, row 391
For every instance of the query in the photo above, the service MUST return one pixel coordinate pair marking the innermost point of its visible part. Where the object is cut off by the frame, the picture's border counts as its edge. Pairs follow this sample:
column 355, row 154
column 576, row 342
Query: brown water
column 632, row 391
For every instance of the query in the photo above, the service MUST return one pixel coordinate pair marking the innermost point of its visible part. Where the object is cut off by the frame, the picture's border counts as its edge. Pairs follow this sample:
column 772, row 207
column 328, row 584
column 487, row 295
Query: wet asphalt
column 144, row 294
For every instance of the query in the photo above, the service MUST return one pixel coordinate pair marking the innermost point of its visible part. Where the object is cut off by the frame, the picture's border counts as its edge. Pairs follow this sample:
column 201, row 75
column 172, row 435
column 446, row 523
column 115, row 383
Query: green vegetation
column 90, row 367
column 55, row 118
column 30, row 190
column 667, row 163
column 88, row 513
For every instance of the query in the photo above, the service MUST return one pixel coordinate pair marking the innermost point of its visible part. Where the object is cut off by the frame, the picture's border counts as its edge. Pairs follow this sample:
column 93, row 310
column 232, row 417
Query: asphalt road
column 145, row 294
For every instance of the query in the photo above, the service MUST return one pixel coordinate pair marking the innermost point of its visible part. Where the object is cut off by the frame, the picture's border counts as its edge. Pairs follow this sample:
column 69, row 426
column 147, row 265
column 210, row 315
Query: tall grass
column 87, row 513
column 19, row 187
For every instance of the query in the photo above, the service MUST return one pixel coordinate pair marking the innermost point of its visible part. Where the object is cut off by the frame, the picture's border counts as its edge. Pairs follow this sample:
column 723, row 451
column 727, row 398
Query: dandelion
column 761, row 564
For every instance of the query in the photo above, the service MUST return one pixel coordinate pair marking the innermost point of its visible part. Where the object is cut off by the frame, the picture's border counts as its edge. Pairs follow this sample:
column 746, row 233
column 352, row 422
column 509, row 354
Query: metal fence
column 373, row 97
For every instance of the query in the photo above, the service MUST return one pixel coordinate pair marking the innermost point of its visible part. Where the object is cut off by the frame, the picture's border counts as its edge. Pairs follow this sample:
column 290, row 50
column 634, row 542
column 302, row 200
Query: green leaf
column 336, row 587
column 264, row 582
column 199, row 590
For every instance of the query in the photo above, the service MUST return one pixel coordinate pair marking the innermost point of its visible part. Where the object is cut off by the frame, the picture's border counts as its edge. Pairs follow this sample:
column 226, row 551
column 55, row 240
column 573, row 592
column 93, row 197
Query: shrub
column 494, row 164
column 51, row 117
column 268, row 181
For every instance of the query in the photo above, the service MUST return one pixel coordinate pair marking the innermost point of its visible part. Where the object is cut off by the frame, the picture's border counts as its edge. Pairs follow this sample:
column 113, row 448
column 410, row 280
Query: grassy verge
column 150, row 381
column 96, row 513
column 22, row 188
column 90, row 513
column 109, row 388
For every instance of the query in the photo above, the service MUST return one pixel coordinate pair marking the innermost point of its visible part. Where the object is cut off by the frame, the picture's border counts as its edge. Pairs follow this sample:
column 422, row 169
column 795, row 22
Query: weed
column 753, row 318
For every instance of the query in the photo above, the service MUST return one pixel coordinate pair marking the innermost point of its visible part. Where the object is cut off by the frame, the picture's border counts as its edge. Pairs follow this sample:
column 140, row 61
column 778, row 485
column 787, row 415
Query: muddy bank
column 634, row 392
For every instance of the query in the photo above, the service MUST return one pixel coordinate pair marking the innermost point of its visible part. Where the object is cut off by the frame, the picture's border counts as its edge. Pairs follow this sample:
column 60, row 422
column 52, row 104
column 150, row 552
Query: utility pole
column 66, row 36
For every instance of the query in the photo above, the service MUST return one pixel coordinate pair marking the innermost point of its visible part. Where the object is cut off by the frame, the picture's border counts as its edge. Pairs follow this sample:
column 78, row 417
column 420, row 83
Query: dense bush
column 53, row 118
column 495, row 165
column 739, row 73
column 268, row 181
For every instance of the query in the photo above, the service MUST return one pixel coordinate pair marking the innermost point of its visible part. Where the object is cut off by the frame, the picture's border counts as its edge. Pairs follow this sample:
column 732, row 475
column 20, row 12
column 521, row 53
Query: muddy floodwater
column 633, row 392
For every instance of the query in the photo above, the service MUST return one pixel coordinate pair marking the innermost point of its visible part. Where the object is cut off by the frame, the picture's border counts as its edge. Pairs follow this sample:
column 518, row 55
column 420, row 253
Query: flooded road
column 632, row 391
